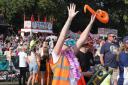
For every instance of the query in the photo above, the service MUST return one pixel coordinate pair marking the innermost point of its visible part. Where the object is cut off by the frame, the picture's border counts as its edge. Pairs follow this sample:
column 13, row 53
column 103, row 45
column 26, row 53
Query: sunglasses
column 113, row 36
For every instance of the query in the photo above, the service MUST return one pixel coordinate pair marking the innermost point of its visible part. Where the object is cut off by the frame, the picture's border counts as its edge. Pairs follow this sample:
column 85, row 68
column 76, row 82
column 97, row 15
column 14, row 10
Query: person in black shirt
column 44, row 58
column 85, row 57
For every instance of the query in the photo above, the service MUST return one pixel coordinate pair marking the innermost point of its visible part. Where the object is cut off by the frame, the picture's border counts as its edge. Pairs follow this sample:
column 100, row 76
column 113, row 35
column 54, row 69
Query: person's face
column 84, row 48
column 45, row 44
column 111, row 37
column 126, row 45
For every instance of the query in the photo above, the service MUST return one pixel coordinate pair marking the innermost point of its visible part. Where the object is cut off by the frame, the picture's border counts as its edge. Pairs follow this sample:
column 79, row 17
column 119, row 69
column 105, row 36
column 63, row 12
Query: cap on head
column 125, row 40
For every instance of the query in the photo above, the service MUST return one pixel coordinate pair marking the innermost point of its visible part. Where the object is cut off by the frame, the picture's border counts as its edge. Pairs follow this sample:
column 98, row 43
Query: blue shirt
column 123, row 59
column 109, row 55
column 123, row 65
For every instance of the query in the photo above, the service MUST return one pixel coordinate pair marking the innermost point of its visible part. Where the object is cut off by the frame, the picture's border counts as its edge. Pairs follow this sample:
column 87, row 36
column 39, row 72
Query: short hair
column 110, row 34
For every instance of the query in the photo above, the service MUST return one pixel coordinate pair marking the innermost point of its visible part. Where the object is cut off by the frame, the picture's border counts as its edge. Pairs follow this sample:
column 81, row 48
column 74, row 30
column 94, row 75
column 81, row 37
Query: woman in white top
column 33, row 66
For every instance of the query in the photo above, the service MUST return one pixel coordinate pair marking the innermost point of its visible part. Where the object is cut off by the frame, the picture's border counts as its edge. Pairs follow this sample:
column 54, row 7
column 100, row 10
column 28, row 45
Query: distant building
column 32, row 27
column 102, row 32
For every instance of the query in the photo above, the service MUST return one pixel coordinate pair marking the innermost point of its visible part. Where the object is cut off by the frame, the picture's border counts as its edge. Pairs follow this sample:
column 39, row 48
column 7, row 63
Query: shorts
column 33, row 68
column 43, row 65
column 115, row 73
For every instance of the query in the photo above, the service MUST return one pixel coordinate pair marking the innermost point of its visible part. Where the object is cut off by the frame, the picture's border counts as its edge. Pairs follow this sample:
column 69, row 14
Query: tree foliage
column 14, row 11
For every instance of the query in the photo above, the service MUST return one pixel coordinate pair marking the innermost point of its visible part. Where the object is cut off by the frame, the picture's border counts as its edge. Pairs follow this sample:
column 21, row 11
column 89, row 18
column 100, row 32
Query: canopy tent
column 35, row 31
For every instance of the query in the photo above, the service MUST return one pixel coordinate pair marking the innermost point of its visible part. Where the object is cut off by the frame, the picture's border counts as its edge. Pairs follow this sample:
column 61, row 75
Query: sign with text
column 37, row 25
column 105, row 31
column 27, row 24
column 42, row 25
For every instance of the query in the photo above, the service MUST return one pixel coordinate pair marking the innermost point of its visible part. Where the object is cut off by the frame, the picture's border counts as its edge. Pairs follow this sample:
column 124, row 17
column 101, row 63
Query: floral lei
column 75, row 66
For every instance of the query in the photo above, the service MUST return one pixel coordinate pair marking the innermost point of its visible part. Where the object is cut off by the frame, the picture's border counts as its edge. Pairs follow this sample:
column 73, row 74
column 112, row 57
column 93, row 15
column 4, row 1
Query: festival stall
column 36, row 27
column 102, row 32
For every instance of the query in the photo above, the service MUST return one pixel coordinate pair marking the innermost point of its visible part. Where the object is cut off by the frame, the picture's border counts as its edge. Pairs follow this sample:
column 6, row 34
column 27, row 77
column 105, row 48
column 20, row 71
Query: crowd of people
column 71, row 62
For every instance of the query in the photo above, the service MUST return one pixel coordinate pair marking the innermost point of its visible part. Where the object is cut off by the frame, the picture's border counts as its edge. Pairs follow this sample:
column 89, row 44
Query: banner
column 27, row 24
column 38, row 25
column 42, row 25
column 105, row 31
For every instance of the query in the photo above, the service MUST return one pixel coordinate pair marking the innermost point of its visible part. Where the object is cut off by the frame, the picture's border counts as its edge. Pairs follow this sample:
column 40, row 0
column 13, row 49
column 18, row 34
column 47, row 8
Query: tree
column 117, row 10
column 56, row 10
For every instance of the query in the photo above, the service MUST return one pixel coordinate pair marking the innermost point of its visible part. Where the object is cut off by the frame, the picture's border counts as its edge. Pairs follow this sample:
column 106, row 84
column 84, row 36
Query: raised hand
column 60, row 42
column 71, row 11
column 92, row 18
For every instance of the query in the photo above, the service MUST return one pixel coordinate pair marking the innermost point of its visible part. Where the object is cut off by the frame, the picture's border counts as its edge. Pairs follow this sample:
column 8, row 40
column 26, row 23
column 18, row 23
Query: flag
column 32, row 18
column 45, row 19
column 24, row 17
column 19, row 31
column 38, row 21
column 38, row 18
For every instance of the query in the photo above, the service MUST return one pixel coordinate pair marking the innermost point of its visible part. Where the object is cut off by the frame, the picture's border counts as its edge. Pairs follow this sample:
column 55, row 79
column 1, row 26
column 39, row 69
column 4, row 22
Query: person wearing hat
column 123, row 64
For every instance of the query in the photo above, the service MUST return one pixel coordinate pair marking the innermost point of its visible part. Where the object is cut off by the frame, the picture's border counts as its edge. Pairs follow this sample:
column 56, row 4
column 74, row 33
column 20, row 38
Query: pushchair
column 4, row 65
column 7, row 73
column 101, row 76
